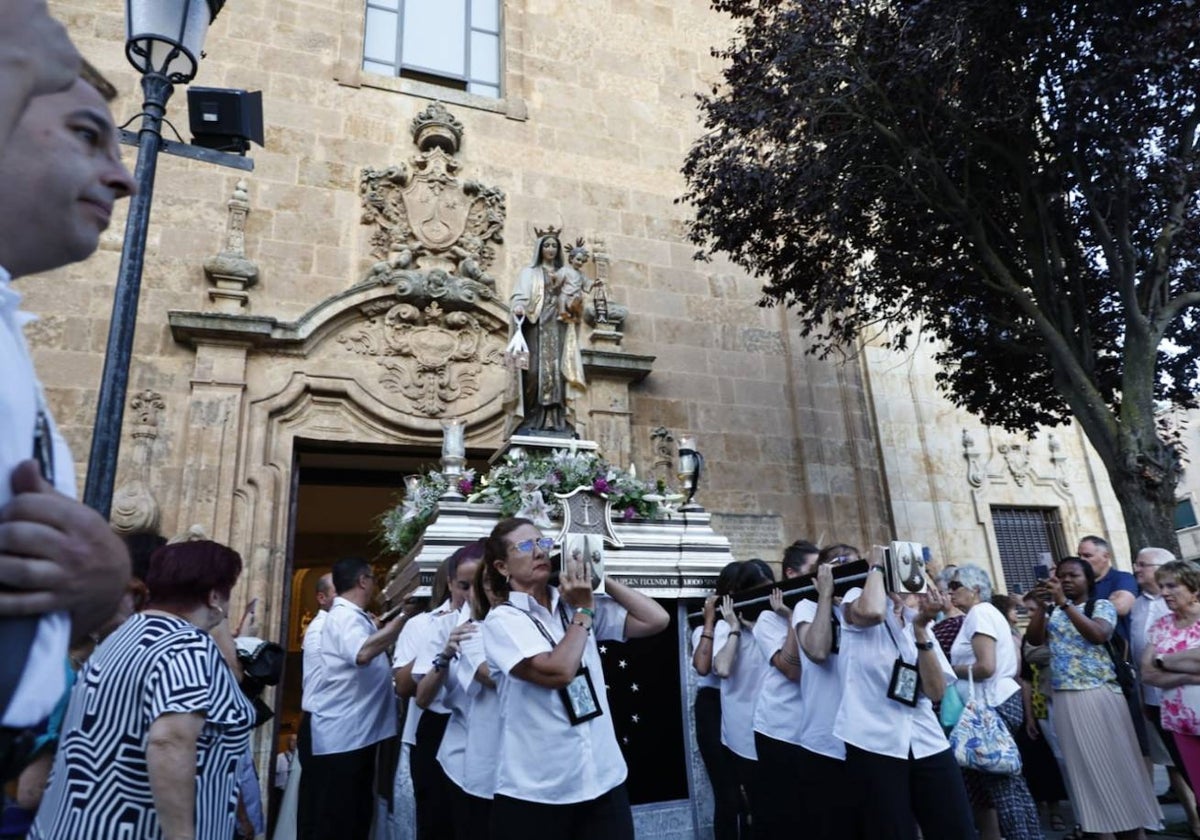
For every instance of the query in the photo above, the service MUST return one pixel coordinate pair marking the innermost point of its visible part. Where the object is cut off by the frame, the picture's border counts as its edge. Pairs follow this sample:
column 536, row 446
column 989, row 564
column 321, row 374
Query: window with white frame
column 455, row 43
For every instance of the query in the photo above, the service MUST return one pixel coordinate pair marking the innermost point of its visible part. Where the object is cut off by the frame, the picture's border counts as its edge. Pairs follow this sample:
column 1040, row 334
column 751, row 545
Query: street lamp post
column 163, row 41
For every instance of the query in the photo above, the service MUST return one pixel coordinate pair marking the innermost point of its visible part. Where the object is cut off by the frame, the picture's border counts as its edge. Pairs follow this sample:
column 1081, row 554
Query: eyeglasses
column 953, row 585
column 544, row 543
column 843, row 558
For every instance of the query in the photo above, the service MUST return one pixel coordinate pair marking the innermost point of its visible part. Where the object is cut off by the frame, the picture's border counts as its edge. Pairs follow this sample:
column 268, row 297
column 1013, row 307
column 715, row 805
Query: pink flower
column 465, row 486
column 629, row 513
column 600, row 485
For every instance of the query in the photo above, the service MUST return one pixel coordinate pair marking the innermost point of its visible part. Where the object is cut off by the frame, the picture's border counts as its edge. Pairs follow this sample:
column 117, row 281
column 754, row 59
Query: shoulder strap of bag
column 16, row 640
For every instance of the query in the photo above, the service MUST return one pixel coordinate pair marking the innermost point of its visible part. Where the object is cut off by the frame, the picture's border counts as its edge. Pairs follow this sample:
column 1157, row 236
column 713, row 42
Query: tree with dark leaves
column 1015, row 182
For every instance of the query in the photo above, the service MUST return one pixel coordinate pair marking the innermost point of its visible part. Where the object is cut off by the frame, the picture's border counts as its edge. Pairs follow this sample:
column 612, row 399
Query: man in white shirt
column 354, row 708
column 62, row 570
column 310, row 648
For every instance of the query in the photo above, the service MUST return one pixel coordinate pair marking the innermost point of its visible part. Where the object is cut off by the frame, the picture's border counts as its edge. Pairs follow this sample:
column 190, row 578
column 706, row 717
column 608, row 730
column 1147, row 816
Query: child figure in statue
column 574, row 284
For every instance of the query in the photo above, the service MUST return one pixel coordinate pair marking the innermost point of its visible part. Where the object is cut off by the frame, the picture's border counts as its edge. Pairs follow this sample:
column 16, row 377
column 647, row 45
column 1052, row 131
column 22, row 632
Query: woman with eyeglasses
column 560, row 772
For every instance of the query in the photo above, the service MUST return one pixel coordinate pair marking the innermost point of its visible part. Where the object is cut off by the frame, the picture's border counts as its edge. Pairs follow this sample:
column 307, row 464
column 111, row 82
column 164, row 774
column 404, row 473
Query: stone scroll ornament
column 587, row 526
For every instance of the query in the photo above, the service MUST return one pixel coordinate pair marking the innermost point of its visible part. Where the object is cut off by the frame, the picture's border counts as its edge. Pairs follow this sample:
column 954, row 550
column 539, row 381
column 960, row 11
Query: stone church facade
column 286, row 373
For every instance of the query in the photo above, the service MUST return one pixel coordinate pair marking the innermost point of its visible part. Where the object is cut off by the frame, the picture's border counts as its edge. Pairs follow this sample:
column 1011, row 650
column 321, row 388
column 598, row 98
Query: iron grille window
column 454, row 43
column 1024, row 535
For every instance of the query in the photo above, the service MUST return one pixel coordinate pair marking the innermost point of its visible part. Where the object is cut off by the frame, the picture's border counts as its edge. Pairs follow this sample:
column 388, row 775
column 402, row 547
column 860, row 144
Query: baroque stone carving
column 974, row 469
column 435, row 234
column 134, row 507
column 432, row 357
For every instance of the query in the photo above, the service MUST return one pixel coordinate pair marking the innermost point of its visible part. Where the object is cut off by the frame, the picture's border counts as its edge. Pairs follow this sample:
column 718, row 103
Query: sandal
column 1075, row 834
column 1056, row 823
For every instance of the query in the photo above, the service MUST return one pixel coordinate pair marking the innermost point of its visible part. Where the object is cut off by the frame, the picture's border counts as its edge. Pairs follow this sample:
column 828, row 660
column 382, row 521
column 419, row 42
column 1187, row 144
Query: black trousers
column 726, row 797
column 432, row 791
column 779, row 765
column 896, row 795
column 1154, row 715
column 606, row 817
column 472, row 816
column 310, row 781
column 745, row 771
column 822, row 789
column 344, row 803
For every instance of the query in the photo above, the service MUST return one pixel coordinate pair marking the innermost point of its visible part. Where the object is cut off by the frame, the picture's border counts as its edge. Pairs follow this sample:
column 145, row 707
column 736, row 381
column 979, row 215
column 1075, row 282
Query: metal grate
column 1023, row 535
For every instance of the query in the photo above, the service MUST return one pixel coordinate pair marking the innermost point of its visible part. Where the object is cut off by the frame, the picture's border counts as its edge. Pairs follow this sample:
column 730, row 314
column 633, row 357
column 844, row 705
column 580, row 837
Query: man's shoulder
column 1116, row 581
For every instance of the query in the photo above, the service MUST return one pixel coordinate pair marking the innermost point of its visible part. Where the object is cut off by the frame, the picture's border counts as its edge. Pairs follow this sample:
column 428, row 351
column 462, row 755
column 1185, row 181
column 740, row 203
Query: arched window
column 455, row 43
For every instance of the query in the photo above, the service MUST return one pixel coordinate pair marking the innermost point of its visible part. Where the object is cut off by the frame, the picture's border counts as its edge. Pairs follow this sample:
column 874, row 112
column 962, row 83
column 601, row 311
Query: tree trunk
column 1147, row 501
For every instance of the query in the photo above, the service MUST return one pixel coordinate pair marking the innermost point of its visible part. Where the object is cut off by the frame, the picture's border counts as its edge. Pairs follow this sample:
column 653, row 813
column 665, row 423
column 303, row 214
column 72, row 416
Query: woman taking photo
column 560, row 772
column 1109, row 786
column 984, row 650
column 1166, row 661
column 157, row 722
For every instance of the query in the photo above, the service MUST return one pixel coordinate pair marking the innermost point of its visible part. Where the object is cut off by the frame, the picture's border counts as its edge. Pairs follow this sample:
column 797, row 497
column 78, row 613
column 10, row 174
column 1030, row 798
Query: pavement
column 1174, row 820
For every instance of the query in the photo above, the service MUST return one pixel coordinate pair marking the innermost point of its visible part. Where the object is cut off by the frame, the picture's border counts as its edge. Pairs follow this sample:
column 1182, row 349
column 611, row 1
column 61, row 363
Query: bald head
column 325, row 591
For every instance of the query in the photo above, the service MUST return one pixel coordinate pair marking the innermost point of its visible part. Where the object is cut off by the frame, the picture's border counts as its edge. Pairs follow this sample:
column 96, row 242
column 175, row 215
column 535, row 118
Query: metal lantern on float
column 167, row 36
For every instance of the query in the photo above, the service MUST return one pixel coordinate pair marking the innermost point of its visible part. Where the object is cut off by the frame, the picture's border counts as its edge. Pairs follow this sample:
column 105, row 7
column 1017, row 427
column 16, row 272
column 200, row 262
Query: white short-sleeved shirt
column 43, row 679
column 1002, row 684
column 739, row 696
column 867, row 718
column 311, row 647
column 357, row 703
column 776, row 713
column 433, row 642
column 544, row 758
column 820, row 691
column 408, row 645
column 472, row 740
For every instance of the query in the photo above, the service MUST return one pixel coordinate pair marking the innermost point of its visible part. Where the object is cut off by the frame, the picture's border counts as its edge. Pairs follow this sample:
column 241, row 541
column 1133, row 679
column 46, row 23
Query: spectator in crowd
column 945, row 630
column 1040, row 764
column 157, row 722
column 1113, row 585
column 543, row 641
column 984, row 651
column 823, row 789
column 742, row 670
column 283, row 769
column 354, row 708
column 1109, row 787
column 897, row 757
column 1171, row 661
column 62, row 173
column 1148, row 608
column 435, row 793
column 799, row 558
column 706, row 639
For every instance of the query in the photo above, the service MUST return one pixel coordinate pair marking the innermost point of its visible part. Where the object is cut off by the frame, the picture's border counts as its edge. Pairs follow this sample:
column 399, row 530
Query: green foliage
column 524, row 485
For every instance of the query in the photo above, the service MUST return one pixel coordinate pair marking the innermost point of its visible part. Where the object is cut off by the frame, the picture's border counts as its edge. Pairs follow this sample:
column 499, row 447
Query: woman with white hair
column 985, row 651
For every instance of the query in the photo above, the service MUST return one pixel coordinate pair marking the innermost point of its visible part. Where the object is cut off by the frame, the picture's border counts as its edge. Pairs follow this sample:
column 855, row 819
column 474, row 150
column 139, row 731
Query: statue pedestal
column 533, row 443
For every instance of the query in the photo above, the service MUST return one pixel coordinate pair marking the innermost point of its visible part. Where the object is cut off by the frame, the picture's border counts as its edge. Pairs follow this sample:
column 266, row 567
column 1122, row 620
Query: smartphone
column 1041, row 572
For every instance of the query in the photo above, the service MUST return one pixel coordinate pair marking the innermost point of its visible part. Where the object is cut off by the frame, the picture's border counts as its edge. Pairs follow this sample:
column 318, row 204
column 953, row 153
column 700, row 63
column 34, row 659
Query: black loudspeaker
column 225, row 119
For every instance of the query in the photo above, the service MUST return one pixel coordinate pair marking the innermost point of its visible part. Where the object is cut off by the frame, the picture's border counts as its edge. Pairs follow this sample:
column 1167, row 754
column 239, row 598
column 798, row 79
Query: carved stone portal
column 431, row 357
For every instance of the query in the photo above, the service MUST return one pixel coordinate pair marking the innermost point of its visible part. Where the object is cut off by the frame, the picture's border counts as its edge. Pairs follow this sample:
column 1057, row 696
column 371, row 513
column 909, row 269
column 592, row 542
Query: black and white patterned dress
column 100, row 786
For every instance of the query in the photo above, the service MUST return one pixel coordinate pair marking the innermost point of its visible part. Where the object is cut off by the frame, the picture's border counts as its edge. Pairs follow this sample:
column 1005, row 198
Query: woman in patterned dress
column 1109, row 786
column 1166, row 661
column 156, row 722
